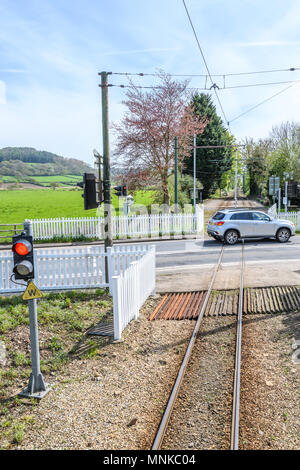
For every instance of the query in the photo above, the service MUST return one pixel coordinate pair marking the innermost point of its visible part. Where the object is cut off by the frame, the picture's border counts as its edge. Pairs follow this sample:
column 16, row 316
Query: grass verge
column 64, row 319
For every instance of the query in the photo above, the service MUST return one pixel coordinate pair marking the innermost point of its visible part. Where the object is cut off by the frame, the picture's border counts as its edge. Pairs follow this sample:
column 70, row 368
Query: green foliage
column 185, row 186
column 277, row 154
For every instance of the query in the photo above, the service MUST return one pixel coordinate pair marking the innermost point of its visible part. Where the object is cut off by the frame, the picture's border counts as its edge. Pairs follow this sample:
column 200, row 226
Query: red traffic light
column 22, row 247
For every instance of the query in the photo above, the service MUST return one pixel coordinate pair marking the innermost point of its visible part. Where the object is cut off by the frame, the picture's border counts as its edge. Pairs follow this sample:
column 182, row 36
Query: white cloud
column 2, row 92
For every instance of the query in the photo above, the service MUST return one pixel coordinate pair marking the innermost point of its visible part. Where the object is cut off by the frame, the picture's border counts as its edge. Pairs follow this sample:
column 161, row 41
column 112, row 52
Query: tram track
column 191, row 302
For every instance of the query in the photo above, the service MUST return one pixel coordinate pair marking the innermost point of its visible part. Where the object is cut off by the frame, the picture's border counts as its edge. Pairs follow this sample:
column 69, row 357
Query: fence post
column 154, row 268
column 108, row 255
column 136, row 288
column 117, row 307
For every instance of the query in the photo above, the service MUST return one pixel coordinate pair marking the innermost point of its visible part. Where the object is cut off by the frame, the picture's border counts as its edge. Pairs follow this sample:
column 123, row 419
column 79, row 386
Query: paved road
column 179, row 254
column 183, row 254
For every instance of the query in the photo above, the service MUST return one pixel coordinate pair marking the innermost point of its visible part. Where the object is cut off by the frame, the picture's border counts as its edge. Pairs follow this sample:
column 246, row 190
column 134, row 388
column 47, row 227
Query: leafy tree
column 255, row 156
column 285, row 149
column 211, row 163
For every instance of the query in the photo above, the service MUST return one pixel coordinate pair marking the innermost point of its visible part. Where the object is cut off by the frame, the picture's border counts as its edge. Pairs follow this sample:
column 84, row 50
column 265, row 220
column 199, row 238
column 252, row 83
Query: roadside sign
column 274, row 184
column 292, row 189
column 32, row 292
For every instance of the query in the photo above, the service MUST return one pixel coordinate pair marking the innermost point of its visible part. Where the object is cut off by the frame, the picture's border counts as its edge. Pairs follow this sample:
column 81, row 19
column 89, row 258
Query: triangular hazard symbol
column 32, row 292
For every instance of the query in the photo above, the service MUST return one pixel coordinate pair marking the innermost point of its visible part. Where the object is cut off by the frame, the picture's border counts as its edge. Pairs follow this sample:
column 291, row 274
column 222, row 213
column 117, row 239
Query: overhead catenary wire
column 205, row 63
column 233, row 74
column 248, row 85
column 265, row 101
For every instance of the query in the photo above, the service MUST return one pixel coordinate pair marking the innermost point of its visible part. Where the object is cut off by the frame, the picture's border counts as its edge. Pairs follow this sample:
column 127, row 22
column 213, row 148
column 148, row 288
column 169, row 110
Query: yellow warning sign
column 32, row 292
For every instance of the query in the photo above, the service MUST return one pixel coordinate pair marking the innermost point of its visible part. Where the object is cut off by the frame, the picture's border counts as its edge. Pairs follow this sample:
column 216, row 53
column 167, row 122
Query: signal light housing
column 118, row 190
column 22, row 249
column 89, row 191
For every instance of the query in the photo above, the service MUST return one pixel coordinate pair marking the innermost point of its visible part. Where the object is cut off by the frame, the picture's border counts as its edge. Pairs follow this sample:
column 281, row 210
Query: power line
column 233, row 74
column 265, row 101
column 206, row 66
column 155, row 87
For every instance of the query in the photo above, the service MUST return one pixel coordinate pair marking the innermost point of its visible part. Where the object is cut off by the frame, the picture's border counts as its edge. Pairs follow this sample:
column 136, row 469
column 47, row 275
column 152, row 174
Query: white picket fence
column 291, row 216
column 71, row 268
column 131, row 226
column 131, row 275
column 131, row 289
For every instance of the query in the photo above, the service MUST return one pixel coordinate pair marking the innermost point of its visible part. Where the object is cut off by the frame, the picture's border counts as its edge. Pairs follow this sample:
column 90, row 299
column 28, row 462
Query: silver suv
column 231, row 224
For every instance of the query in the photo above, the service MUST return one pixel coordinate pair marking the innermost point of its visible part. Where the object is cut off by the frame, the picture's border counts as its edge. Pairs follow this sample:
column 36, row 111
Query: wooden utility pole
column 176, row 173
column 194, row 170
column 235, row 179
column 106, row 167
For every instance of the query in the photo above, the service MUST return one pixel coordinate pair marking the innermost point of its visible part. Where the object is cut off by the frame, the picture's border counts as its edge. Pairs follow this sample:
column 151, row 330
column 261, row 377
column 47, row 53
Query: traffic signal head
column 23, row 256
column 119, row 190
column 89, row 194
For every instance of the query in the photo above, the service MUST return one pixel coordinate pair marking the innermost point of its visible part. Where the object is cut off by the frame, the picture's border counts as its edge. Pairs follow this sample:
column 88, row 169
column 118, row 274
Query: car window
column 219, row 216
column 241, row 216
column 260, row 216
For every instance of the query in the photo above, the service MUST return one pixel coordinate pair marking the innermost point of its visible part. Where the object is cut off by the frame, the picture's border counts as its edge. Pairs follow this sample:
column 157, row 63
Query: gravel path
column 269, row 413
column 202, row 415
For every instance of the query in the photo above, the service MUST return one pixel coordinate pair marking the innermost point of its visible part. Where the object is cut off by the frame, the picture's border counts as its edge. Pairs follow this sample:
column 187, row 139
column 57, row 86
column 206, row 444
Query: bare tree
column 145, row 136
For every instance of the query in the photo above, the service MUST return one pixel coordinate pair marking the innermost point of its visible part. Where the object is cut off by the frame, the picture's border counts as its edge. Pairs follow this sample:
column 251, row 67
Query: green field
column 18, row 205
column 65, row 179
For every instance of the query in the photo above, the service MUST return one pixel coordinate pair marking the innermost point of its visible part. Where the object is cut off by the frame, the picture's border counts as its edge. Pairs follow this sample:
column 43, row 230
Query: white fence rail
column 130, row 290
column 131, row 226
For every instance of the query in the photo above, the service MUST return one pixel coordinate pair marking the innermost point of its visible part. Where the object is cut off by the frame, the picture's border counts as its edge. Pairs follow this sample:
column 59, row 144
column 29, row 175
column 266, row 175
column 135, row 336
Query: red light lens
column 21, row 249
column 220, row 223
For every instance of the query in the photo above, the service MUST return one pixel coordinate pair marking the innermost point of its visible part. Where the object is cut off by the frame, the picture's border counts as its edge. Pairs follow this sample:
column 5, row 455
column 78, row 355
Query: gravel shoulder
column 270, row 380
column 115, row 400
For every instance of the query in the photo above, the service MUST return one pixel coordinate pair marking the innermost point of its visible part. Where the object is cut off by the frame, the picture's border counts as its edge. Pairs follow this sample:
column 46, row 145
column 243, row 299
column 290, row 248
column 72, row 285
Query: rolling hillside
column 28, row 165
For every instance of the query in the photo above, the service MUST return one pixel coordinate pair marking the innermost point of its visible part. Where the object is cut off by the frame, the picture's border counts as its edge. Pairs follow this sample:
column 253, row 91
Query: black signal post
column 22, row 248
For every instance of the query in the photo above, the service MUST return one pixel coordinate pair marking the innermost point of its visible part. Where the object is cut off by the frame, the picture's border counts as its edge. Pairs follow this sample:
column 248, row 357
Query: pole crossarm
column 219, row 146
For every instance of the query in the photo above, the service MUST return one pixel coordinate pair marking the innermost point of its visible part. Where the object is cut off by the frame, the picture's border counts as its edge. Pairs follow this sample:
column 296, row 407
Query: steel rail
column 169, row 408
column 234, row 444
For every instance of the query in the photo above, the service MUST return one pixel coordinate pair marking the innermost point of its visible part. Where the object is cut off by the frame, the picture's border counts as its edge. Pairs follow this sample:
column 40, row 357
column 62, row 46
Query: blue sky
column 52, row 50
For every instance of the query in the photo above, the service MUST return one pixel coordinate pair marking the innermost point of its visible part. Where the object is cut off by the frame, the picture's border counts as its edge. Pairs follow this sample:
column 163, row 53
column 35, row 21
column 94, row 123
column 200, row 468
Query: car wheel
column 283, row 235
column 231, row 237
